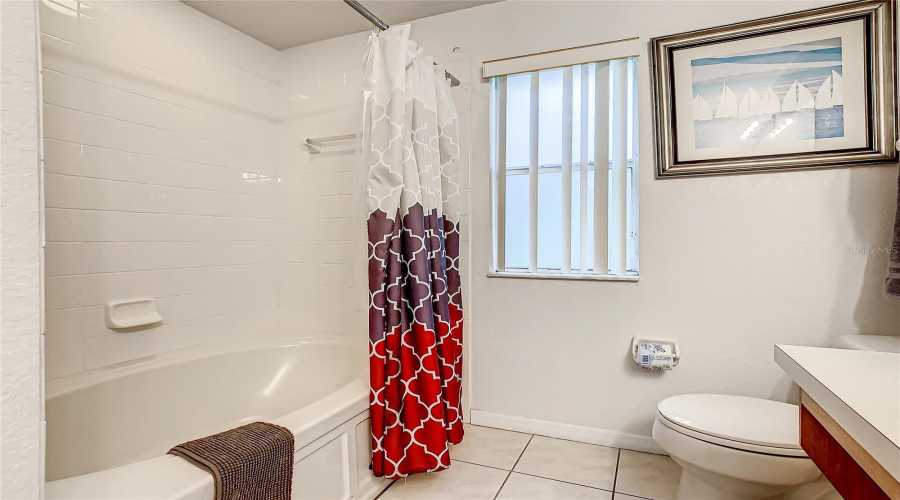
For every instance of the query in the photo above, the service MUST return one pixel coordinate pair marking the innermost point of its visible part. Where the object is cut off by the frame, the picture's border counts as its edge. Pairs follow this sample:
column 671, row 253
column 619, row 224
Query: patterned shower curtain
column 411, row 148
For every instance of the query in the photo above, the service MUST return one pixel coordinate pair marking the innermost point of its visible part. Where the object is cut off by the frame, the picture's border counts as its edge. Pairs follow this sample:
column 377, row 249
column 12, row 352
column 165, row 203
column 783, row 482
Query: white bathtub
column 108, row 430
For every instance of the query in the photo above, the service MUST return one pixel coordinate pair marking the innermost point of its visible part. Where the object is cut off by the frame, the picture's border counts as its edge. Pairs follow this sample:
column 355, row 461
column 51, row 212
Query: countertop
column 860, row 390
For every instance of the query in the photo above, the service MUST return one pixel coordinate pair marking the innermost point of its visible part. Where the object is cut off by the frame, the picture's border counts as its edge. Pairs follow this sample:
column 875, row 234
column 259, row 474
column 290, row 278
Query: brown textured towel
column 251, row 462
column 892, row 283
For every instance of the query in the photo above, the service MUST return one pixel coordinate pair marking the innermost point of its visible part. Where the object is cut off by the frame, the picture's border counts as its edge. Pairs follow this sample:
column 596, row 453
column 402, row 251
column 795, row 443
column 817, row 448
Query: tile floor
column 503, row 465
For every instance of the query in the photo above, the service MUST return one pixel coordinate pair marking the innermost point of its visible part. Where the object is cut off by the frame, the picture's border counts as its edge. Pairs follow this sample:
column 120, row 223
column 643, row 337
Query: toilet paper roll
column 654, row 356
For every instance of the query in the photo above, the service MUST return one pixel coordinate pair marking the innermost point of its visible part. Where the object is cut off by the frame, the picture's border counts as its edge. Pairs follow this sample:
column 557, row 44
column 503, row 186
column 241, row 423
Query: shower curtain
column 411, row 150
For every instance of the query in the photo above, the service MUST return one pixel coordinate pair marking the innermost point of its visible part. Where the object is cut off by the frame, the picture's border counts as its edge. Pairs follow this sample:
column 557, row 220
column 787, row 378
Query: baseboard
column 592, row 435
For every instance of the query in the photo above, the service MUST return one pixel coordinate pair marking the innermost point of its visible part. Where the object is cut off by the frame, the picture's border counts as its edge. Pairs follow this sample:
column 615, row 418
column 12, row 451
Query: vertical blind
column 551, row 129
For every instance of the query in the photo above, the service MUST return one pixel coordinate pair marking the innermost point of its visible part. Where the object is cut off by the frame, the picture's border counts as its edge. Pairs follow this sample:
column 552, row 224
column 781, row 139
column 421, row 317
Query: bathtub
column 108, row 430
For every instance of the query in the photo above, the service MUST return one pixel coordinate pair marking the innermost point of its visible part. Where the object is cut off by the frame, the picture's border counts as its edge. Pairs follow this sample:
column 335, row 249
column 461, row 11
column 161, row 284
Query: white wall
column 160, row 136
column 729, row 265
column 21, row 396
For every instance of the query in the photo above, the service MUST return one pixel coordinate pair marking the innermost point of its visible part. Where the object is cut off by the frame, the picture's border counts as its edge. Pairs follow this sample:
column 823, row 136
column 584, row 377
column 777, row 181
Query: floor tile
column 522, row 487
column 579, row 463
column 647, row 475
column 461, row 480
column 491, row 447
column 622, row 496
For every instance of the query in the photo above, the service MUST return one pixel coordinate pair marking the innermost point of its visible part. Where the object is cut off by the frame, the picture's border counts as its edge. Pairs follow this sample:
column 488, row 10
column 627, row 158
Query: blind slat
column 567, row 171
column 601, row 170
column 618, row 207
column 584, row 234
column 534, row 116
column 500, row 159
column 633, row 210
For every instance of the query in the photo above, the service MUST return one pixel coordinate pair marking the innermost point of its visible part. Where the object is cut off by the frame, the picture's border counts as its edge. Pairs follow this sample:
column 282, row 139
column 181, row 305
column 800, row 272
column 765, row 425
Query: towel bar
column 315, row 143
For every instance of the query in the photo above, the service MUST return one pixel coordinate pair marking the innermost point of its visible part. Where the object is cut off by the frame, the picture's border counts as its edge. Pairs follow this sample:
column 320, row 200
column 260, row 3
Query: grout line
column 210, row 266
column 274, row 219
column 185, row 268
column 107, row 85
column 615, row 494
column 83, row 242
column 170, row 186
column 69, row 242
column 164, row 213
column 72, row 209
column 620, row 448
column 119, row 60
column 181, row 160
column 213, row 142
column 480, row 465
column 616, row 475
column 562, row 481
column 156, row 330
column 513, row 467
column 559, row 438
column 393, row 482
column 164, row 297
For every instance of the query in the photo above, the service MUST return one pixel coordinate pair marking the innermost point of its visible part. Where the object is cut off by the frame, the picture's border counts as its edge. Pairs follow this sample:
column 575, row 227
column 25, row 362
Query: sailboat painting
column 784, row 93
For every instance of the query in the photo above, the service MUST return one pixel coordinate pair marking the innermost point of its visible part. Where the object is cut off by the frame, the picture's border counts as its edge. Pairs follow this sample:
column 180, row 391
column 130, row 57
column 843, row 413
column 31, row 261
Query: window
column 552, row 132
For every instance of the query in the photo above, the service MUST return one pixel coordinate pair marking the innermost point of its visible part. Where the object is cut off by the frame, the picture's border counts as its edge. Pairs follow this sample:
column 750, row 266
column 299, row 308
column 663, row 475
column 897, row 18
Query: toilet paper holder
column 676, row 352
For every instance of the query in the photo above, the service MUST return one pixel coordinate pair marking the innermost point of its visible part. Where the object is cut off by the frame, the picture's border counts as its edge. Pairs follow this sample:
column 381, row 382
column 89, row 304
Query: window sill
column 560, row 276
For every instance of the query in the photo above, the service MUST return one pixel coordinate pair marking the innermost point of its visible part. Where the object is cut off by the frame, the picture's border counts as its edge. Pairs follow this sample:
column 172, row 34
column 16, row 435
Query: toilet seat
column 749, row 424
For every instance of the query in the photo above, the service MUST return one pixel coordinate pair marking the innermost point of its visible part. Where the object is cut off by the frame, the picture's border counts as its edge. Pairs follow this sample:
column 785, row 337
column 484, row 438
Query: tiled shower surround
column 176, row 169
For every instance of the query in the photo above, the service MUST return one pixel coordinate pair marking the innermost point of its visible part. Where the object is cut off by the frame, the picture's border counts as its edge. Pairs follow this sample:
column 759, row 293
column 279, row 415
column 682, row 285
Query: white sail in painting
column 728, row 105
column 823, row 96
column 797, row 97
column 750, row 104
column 830, row 93
column 770, row 103
column 837, row 88
column 702, row 110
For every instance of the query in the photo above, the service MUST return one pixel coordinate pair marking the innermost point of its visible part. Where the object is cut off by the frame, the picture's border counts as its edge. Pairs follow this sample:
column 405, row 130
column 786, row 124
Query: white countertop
column 860, row 390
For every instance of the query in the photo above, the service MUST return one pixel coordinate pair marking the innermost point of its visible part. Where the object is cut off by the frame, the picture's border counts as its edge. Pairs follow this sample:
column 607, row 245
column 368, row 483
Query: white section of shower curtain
column 410, row 132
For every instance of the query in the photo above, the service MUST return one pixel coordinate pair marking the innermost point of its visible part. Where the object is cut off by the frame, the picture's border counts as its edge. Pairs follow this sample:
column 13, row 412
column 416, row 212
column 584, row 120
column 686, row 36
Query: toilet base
column 693, row 488
column 715, row 472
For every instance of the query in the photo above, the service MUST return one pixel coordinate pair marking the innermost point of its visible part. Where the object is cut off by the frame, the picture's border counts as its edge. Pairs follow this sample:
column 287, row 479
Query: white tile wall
column 322, row 274
column 160, row 148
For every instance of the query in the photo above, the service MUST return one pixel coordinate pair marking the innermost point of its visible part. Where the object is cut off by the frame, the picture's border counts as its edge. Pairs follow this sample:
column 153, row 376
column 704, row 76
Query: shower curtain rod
column 366, row 13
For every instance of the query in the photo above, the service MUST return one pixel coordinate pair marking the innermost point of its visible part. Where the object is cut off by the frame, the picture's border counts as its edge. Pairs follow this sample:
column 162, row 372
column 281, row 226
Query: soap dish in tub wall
column 132, row 313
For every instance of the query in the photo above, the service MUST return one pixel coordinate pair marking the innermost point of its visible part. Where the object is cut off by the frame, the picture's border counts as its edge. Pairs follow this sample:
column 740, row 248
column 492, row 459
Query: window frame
column 631, row 235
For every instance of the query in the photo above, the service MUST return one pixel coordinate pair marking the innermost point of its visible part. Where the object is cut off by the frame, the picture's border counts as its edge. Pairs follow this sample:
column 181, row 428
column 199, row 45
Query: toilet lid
column 736, row 418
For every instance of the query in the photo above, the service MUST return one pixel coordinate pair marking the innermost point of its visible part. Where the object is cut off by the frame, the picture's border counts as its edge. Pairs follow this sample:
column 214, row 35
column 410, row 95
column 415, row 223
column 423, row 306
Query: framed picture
column 814, row 89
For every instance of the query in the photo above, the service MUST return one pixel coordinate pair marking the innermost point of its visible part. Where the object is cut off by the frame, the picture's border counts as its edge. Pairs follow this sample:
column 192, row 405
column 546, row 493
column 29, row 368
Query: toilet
column 733, row 447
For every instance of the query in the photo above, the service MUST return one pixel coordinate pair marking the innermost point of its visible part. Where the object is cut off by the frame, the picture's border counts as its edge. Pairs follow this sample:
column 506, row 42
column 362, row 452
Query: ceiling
column 282, row 24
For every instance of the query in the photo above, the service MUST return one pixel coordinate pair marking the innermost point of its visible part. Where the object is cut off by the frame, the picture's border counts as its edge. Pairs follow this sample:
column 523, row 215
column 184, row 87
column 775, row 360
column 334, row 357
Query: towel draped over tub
column 251, row 462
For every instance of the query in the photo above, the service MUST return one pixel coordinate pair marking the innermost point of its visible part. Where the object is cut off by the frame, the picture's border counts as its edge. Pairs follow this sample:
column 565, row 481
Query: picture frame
column 809, row 90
